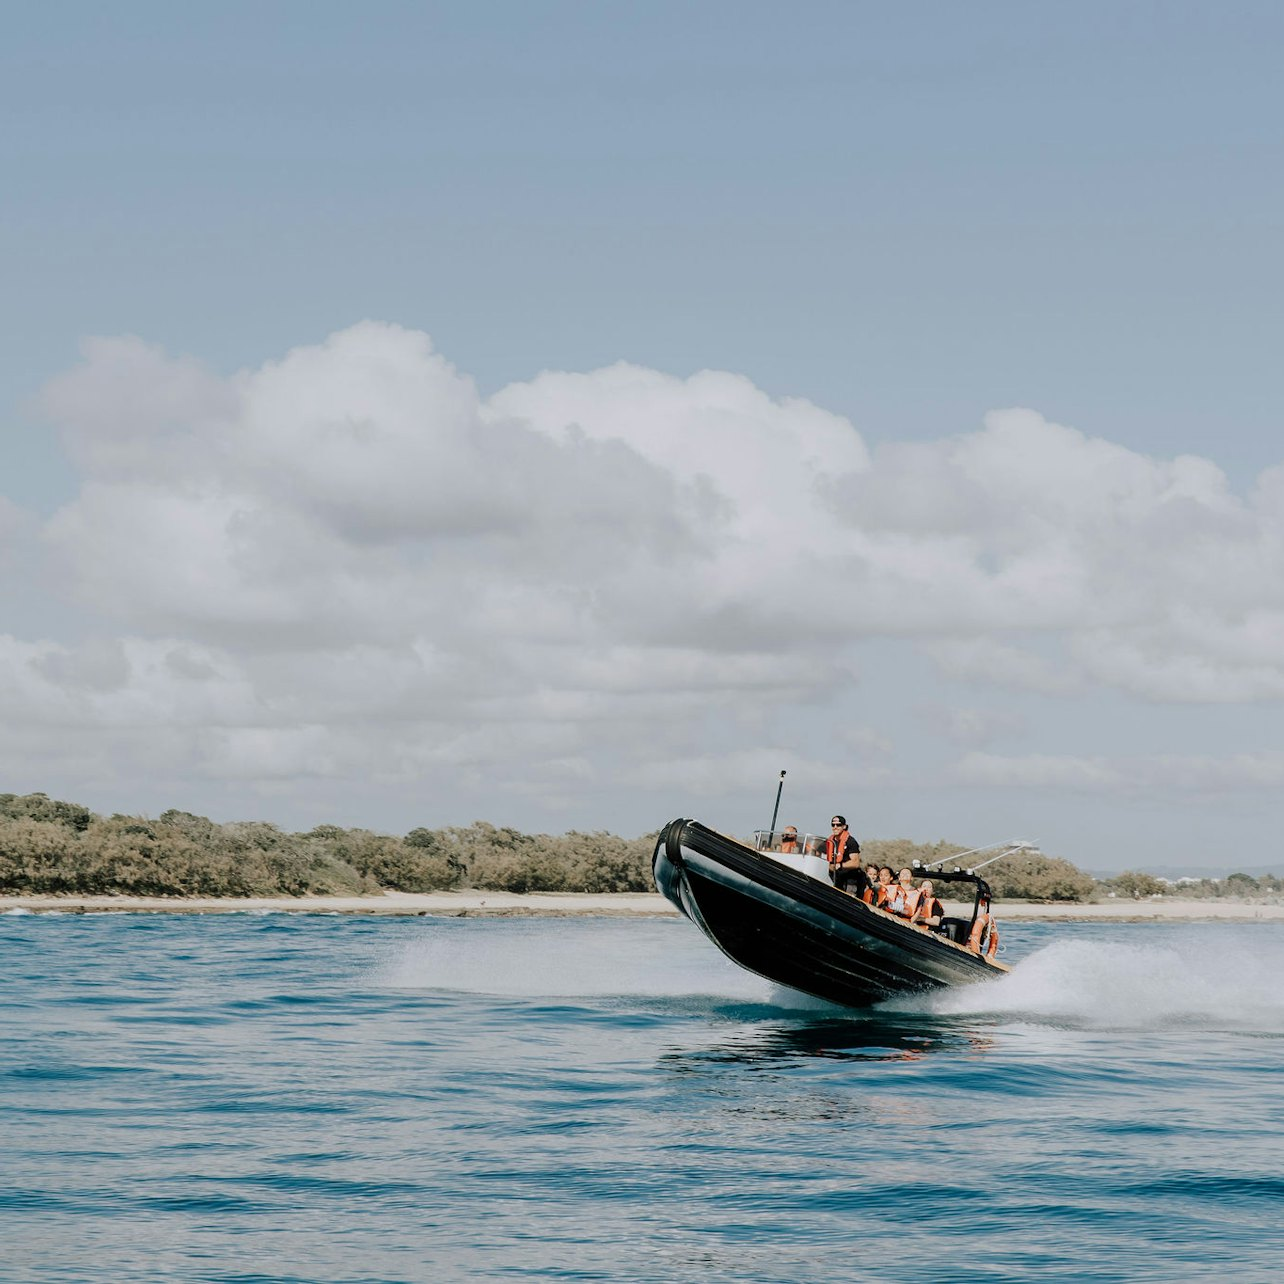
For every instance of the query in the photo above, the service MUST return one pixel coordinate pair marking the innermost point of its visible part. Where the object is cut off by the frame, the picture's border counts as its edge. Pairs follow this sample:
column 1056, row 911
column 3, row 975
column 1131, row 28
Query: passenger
column 870, row 894
column 842, row 851
column 927, row 909
column 883, row 889
column 789, row 840
column 901, row 896
column 985, row 932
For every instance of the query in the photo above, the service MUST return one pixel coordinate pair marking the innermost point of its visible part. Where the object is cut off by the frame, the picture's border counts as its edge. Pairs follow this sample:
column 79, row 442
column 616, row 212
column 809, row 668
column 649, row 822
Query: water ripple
column 396, row 1100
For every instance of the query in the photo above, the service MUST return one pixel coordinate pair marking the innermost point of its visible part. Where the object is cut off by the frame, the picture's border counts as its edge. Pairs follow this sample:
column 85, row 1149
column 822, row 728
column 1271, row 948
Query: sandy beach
column 453, row 904
column 622, row 905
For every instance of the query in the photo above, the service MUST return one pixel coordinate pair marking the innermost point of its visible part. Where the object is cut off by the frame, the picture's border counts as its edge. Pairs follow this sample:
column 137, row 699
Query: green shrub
column 1136, row 883
column 1032, row 876
column 43, row 808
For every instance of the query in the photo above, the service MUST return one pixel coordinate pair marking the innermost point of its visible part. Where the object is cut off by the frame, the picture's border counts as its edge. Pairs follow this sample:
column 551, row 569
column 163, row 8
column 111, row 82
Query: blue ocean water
column 311, row 1098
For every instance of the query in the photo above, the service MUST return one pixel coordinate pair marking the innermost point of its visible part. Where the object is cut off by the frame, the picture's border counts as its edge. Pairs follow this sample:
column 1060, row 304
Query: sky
column 570, row 415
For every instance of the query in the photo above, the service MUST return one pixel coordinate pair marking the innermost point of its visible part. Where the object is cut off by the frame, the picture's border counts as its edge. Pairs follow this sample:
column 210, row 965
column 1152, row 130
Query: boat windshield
column 786, row 840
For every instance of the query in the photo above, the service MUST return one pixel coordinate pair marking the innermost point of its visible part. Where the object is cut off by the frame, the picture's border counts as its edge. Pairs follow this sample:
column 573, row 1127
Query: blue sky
column 908, row 216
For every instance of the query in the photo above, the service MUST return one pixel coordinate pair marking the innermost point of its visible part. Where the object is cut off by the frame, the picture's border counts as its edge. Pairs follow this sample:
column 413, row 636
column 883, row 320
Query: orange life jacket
column 836, row 848
column 900, row 900
column 924, row 909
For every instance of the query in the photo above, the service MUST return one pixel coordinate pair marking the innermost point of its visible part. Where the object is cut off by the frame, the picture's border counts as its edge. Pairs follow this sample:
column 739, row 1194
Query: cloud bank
column 348, row 565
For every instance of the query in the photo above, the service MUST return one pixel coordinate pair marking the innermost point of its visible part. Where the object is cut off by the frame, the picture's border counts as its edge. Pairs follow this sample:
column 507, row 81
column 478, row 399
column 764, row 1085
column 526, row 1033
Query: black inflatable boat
column 781, row 917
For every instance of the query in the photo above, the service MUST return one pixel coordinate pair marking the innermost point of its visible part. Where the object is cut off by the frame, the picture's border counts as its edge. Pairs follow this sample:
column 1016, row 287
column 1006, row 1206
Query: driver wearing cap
column 843, row 853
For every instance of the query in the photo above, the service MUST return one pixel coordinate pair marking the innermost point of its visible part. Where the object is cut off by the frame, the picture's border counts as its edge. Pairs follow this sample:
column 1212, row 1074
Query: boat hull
column 799, row 932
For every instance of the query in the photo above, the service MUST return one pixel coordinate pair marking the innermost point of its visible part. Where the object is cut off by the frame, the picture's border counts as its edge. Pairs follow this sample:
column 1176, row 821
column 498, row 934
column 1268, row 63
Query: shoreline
column 600, row 905
column 394, row 904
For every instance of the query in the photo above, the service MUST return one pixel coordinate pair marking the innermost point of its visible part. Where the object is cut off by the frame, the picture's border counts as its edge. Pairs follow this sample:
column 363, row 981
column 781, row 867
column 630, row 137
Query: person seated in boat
column 902, row 895
column 789, row 843
column 842, row 851
column 927, row 909
column 883, row 886
column 870, row 894
column 985, row 932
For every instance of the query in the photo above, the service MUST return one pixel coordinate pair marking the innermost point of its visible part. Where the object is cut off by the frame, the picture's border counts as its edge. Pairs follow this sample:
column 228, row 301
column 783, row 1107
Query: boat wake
column 561, row 959
column 1219, row 981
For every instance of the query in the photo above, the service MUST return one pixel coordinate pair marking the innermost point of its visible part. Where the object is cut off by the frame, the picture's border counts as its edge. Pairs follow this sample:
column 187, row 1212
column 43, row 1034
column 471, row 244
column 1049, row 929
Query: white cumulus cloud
column 348, row 564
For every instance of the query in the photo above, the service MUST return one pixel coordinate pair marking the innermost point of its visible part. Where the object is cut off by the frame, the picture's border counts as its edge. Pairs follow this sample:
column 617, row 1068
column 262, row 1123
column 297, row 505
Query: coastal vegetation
column 1237, row 887
column 50, row 847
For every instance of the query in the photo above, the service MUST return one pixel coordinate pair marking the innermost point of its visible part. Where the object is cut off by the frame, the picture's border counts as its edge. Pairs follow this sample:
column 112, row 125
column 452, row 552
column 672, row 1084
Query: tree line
column 50, row 847
column 1239, row 886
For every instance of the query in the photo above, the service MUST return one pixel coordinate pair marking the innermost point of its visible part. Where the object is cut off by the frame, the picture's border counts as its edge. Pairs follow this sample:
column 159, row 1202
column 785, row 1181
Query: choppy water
column 335, row 1099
